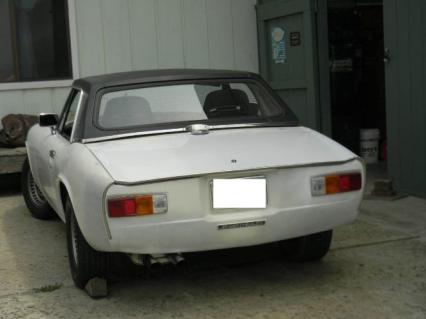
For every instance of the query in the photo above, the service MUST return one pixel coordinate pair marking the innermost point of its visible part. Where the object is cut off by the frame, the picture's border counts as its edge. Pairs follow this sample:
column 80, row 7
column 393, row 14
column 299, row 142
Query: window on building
column 34, row 40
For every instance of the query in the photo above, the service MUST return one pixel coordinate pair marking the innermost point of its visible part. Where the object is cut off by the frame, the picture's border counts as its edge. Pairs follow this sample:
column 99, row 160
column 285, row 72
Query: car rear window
column 204, row 102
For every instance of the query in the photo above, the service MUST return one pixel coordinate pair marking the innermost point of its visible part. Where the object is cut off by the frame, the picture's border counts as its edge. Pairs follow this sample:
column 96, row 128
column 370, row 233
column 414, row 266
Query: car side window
column 67, row 121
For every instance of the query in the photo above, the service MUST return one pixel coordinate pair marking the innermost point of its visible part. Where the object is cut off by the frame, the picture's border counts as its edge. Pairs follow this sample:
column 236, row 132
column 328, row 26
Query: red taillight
column 121, row 207
column 138, row 205
column 334, row 184
column 350, row 182
column 343, row 183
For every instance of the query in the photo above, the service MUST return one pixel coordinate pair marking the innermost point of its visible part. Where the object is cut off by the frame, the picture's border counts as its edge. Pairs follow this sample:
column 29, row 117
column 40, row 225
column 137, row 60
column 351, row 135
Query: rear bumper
column 204, row 234
column 191, row 224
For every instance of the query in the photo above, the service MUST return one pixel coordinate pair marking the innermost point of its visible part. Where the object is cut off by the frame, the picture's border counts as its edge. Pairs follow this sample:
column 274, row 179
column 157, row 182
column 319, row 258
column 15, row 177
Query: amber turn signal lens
column 144, row 205
column 332, row 184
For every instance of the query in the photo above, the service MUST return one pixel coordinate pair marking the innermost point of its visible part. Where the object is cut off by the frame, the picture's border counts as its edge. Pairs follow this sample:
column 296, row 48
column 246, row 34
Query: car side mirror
column 48, row 119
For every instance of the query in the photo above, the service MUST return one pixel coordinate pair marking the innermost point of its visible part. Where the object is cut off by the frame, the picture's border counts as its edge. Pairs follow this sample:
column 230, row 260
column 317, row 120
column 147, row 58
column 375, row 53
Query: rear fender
column 63, row 197
column 86, row 181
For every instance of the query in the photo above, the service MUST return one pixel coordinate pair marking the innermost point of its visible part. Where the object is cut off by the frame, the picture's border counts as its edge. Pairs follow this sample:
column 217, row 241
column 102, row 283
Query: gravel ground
column 376, row 269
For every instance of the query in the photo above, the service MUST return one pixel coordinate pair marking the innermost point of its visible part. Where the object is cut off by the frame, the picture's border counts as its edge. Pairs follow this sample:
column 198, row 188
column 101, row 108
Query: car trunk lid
column 165, row 156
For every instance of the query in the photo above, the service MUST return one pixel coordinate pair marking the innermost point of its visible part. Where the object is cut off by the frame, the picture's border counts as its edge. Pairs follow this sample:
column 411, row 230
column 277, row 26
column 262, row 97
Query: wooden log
column 11, row 159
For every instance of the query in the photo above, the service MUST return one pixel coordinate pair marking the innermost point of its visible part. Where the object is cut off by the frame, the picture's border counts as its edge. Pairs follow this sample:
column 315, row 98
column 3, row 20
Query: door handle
column 52, row 153
column 387, row 56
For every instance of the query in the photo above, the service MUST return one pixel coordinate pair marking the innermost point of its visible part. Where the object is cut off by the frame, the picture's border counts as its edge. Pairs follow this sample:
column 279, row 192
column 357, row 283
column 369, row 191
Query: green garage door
column 289, row 60
column 405, row 41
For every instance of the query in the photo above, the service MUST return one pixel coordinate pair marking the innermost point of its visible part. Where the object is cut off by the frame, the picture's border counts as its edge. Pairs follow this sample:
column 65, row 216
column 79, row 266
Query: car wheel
column 34, row 198
column 307, row 248
column 85, row 262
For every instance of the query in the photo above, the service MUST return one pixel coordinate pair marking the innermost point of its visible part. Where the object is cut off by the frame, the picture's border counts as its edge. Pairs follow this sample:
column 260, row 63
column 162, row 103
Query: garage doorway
column 357, row 74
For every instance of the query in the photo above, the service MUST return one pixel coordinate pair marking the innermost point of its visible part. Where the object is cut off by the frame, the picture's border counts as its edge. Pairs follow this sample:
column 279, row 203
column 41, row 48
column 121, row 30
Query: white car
column 155, row 164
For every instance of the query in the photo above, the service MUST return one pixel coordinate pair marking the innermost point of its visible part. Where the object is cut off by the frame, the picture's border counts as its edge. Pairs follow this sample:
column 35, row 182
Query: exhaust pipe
column 137, row 259
column 177, row 259
column 152, row 263
column 155, row 262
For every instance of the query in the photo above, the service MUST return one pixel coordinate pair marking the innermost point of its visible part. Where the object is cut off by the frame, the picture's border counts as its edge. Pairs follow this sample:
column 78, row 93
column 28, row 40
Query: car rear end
column 211, row 163
column 183, row 215
column 187, row 161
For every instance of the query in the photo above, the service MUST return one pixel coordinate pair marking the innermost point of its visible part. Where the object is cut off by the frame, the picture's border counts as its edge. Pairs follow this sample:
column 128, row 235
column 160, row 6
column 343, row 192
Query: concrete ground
column 375, row 269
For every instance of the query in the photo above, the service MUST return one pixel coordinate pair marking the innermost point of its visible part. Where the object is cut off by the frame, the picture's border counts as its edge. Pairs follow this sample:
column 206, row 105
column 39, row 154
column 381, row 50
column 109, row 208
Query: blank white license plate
column 239, row 193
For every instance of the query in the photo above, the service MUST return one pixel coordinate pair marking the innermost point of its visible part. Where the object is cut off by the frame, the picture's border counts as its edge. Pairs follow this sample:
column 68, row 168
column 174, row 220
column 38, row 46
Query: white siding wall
column 122, row 35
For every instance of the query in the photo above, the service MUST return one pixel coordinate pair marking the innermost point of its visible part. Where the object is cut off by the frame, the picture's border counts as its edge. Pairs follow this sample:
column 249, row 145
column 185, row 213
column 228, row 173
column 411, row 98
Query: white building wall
column 123, row 35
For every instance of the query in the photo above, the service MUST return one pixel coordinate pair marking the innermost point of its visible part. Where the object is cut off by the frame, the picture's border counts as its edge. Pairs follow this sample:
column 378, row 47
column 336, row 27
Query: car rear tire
column 307, row 248
column 34, row 198
column 85, row 262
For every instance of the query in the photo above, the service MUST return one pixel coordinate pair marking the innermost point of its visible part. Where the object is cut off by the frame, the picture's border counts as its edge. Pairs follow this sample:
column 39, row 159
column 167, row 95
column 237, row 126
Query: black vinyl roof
column 86, row 128
column 94, row 83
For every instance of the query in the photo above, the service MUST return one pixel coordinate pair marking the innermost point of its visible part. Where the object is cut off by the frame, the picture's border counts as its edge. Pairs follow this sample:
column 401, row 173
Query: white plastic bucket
column 370, row 145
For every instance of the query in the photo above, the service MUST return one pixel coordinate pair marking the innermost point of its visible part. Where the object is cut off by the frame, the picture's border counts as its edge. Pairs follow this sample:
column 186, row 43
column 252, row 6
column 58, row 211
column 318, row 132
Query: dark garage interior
column 357, row 79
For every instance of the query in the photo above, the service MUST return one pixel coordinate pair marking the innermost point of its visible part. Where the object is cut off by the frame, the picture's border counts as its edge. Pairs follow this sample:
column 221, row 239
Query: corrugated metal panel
column 116, row 35
column 143, row 34
column 149, row 34
column 32, row 101
column 220, row 34
column 245, row 30
column 196, row 40
column 120, row 35
column 90, row 36
column 169, row 34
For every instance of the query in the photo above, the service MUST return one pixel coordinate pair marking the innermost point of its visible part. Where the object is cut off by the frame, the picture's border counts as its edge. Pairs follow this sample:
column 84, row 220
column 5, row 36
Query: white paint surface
column 184, row 154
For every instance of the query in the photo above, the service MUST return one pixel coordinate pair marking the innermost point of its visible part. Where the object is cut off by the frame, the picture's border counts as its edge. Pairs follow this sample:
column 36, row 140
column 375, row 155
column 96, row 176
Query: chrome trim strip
column 77, row 115
column 167, row 131
column 105, row 210
column 231, row 226
column 225, row 126
column 167, row 179
column 137, row 134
